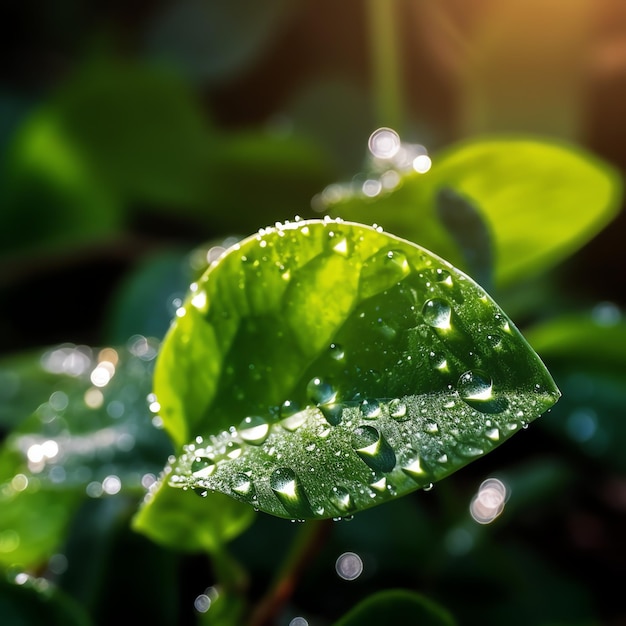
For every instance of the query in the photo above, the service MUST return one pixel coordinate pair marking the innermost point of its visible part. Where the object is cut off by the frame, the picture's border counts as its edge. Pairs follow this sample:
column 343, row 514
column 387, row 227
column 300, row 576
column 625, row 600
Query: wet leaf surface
column 323, row 367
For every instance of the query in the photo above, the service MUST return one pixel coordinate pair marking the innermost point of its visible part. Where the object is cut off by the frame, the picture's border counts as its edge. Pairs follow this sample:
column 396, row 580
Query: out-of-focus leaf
column 34, row 601
column 52, row 197
column 33, row 521
column 190, row 523
column 260, row 177
column 485, row 582
column 141, row 129
column 540, row 200
column 88, row 434
column 321, row 367
column 397, row 606
column 146, row 299
column 467, row 227
column 588, row 358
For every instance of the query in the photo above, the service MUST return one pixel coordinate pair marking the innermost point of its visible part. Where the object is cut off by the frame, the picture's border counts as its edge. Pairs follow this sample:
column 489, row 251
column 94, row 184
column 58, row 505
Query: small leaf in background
column 587, row 354
column 540, row 200
column 170, row 517
column 31, row 600
column 466, row 225
column 52, row 196
column 397, row 606
column 86, row 432
column 323, row 367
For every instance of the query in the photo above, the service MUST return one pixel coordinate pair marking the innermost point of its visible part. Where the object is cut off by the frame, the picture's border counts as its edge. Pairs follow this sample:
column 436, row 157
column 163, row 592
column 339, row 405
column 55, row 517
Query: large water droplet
column 338, row 243
column 379, row 483
column 294, row 421
column 332, row 413
column 373, row 449
column 476, row 390
column 202, row 467
column 397, row 409
column 336, row 352
column 493, row 434
column 370, row 408
column 320, row 391
column 289, row 408
column 233, row 450
column 431, row 427
column 341, row 498
column 414, row 467
column 437, row 313
column 438, row 361
column 469, row 450
column 397, row 262
column 286, row 485
column 254, row 430
column 443, row 276
column 242, row 484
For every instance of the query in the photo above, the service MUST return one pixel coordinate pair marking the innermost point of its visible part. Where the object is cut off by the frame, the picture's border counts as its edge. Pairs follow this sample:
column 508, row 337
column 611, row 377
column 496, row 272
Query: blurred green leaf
column 485, row 583
column 53, row 197
column 121, row 136
column 587, row 355
column 260, row 177
column 183, row 521
column 540, row 200
column 145, row 299
column 141, row 128
column 399, row 607
column 36, row 601
column 323, row 367
column 467, row 227
column 85, row 432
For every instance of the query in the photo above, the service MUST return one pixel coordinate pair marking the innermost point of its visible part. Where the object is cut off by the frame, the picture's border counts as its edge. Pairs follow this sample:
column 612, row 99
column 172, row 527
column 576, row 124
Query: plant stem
column 386, row 79
column 307, row 543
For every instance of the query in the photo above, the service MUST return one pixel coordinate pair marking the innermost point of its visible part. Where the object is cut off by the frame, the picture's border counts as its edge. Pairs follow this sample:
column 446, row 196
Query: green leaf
column 588, row 357
column 322, row 367
column 141, row 128
column 399, row 607
column 540, row 200
column 34, row 600
column 464, row 222
column 53, row 197
column 83, row 429
column 170, row 517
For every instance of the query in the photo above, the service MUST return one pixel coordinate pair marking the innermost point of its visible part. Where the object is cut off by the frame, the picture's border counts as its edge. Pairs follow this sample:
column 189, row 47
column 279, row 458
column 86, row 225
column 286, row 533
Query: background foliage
column 138, row 142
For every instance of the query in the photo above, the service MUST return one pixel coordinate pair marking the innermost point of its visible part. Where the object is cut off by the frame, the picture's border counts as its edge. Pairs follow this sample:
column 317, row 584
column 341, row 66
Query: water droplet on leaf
column 373, row 449
column 370, row 409
column 254, row 430
column 202, row 467
column 320, row 391
column 397, row 409
column 437, row 313
column 476, row 390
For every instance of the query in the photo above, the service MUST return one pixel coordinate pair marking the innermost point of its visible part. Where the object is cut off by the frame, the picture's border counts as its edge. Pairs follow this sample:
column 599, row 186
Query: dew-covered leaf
column 323, row 367
column 540, row 200
column 397, row 606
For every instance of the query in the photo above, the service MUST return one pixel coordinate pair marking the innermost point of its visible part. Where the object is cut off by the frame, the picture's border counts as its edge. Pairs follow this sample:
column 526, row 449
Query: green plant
column 316, row 368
